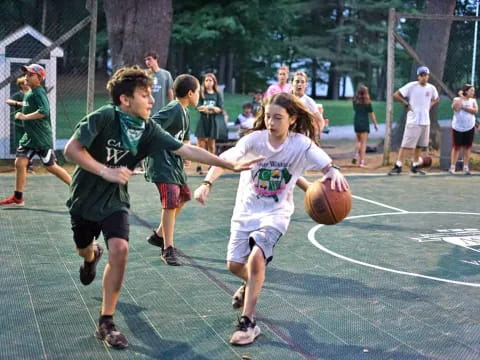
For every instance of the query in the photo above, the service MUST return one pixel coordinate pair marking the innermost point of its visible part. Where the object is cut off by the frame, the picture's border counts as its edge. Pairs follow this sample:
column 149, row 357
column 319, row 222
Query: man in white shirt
column 419, row 97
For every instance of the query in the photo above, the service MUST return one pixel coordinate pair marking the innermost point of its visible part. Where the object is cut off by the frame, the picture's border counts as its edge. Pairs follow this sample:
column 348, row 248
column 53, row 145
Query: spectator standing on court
column 166, row 169
column 284, row 133
column 16, row 102
column 419, row 97
column 283, row 73
column 463, row 126
column 162, row 90
column 299, row 85
column 211, row 124
column 38, row 138
column 106, row 145
column 363, row 112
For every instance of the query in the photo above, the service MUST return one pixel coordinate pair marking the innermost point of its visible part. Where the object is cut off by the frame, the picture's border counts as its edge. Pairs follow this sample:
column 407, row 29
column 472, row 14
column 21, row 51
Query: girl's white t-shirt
column 265, row 193
column 310, row 104
column 463, row 120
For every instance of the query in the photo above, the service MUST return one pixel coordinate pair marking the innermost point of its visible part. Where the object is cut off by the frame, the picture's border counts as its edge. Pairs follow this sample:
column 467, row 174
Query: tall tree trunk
column 137, row 26
column 334, row 76
column 432, row 46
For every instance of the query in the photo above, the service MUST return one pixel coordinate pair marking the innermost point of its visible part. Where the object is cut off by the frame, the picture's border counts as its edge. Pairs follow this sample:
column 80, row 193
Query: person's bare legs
column 362, row 145
column 256, row 277
column 113, row 274
column 21, row 164
column 88, row 253
column 466, row 155
column 454, row 157
column 211, row 145
column 168, row 233
column 59, row 172
column 416, row 154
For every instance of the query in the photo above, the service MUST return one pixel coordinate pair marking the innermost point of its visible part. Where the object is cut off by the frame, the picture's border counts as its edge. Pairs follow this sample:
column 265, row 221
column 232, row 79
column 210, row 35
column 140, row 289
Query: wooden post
column 390, row 77
column 92, row 6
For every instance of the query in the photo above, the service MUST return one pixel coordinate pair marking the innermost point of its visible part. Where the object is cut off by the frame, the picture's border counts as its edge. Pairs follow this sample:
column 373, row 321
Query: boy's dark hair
column 185, row 83
column 247, row 105
column 126, row 80
column 153, row 54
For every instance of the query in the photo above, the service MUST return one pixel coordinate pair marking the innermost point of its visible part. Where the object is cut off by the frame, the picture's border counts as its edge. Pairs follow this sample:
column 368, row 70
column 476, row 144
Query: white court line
column 311, row 238
column 379, row 204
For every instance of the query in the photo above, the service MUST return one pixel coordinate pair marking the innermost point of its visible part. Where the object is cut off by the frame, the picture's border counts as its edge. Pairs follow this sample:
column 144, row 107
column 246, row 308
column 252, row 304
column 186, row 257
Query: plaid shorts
column 171, row 195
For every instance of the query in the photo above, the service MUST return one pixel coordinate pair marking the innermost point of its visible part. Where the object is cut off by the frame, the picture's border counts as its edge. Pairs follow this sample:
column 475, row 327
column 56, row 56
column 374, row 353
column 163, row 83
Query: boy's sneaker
column 466, row 170
column 397, row 170
column 169, row 256
column 155, row 240
column 417, row 170
column 88, row 270
column 12, row 201
column 451, row 170
column 107, row 332
column 246, row 333
column 239, row 297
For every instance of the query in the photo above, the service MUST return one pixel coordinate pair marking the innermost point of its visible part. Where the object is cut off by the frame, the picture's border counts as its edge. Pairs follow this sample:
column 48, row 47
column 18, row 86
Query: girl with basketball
column 209, row 126
column 362, row 106
column 285, row 135
column 463, row 126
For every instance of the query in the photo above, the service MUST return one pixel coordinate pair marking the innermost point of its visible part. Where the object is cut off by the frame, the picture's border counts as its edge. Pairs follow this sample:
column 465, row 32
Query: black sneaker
column 169, row 256
column 88, row 270
column 397, row 170
column 246, row 333
column 107, row 332
column 238, row 297
column 155, row 240
column 417, row 170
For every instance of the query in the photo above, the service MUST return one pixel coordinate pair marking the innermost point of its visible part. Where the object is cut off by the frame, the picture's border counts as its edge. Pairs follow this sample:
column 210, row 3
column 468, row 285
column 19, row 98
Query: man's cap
column 35, row 69
column 423, row 70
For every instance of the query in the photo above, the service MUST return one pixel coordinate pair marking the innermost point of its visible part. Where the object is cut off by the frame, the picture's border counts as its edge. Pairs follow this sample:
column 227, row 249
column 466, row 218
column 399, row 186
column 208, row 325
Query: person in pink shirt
column 282, row 85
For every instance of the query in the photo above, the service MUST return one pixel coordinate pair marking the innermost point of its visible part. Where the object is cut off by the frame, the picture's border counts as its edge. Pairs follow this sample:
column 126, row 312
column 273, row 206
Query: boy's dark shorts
column 46, row 155
column 85, row 231
column 171, row 195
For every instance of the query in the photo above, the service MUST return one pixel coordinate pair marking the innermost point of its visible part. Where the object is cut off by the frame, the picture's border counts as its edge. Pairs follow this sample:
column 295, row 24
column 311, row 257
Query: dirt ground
column 339, row 150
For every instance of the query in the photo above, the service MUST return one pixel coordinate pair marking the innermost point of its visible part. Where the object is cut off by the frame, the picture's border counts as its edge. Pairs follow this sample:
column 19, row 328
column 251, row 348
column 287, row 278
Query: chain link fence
column 66, row 80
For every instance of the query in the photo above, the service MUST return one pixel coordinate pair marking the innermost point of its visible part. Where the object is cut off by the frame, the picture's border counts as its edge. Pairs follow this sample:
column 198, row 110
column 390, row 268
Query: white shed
column 18, row 49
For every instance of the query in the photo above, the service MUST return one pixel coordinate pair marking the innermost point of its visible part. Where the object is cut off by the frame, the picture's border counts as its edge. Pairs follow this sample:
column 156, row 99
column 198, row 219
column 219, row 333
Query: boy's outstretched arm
column 195, row 153
column 76, row 152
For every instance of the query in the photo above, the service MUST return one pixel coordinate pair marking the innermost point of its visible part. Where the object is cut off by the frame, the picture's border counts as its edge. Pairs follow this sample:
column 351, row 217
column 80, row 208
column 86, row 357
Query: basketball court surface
column 398, row 279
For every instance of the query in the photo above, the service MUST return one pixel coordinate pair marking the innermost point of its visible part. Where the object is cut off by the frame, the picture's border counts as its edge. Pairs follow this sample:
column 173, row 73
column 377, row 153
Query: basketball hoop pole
column 474, row 56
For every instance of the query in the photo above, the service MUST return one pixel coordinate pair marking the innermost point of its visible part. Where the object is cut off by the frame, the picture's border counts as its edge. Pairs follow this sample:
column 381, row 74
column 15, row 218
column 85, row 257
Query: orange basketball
column 327, row 206
column 427, row 161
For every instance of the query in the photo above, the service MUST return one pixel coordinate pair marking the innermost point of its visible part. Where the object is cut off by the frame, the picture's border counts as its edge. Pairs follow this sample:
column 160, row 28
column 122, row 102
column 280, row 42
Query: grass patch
column 70, row 110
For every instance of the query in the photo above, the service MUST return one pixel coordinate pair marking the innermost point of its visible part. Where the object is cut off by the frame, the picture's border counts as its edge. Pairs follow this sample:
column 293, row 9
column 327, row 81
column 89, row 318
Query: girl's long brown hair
column 304, row 123
column 202, row 90
column 362, row 96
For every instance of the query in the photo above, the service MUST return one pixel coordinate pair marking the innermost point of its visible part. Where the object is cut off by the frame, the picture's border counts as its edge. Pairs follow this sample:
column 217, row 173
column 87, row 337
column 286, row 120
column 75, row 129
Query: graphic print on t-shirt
column 270, row 182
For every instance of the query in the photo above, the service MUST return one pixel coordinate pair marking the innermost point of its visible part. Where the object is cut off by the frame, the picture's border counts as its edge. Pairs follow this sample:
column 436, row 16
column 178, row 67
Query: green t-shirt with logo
column 162, row 81
column 165, row 167
column 92, row 197
column 38, row 133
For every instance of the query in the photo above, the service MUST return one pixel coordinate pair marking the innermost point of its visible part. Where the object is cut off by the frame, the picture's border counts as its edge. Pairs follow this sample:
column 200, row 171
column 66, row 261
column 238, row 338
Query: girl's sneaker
column 466, row 170
column 362, row 163
column 452, row 169
column 246, row 333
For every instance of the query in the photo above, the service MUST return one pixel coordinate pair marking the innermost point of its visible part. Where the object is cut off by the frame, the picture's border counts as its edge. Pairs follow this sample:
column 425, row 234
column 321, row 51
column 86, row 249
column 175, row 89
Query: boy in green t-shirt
column 38, row 139
column 106, row 145
column 166, row 169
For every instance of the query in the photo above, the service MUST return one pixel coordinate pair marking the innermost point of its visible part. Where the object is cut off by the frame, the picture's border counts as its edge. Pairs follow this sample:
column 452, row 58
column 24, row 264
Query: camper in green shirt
column 166, row 169
column 106, row 145
column 37, row 139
